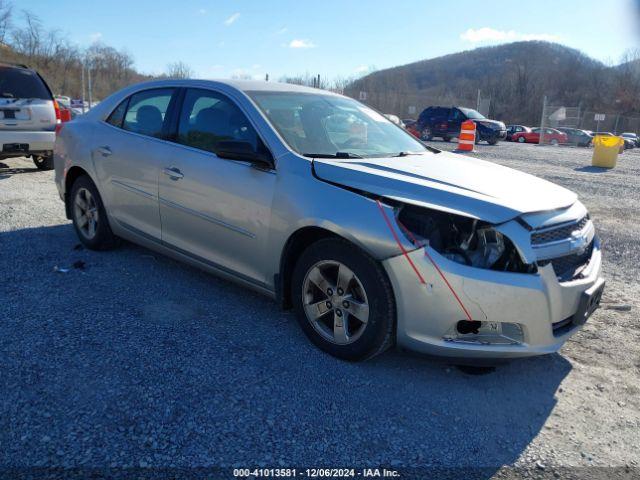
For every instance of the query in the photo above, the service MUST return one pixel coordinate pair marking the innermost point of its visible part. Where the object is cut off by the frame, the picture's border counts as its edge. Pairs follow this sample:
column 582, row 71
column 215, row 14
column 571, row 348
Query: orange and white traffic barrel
column 467, row 138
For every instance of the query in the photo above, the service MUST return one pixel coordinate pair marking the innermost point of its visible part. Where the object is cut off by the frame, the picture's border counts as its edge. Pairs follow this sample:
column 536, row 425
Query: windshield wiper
column 333, row 155
column 405, row 154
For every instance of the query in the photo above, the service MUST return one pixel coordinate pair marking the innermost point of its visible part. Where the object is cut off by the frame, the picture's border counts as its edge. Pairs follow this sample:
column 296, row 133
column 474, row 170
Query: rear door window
column 147, row 112
column 22, row 83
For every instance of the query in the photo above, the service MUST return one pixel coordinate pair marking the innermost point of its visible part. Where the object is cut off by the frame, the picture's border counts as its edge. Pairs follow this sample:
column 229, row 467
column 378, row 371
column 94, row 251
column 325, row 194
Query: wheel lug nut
column 345, row 304
column 329, row 306
column 329, row 291
column 339, row 313
column 340, row 291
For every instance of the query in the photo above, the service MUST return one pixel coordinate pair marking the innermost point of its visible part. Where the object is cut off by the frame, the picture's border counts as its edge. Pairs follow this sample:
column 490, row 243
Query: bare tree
column 6, row 16
column 179, row 70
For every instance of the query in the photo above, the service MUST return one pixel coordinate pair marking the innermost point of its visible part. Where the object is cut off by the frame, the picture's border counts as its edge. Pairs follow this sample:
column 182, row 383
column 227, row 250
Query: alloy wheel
column 335, row 302
column 86, row 213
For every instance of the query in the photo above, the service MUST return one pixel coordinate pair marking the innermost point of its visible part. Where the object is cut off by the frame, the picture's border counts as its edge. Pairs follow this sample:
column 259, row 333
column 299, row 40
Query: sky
column 225, row 38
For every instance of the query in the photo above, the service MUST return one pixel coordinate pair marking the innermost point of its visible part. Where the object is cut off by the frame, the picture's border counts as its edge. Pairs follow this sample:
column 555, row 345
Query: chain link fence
column 566, row 117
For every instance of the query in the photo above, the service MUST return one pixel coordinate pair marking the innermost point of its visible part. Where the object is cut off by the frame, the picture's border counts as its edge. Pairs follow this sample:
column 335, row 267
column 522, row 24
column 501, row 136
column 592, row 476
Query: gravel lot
column 136, row 360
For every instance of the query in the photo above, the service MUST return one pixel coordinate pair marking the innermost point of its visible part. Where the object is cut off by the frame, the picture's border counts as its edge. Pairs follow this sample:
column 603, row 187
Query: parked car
column 28, row 115
column 578, row 137
column 374, row 239
column 446, row 122
column 532, row 135
column 511, row 129
column 63, row 100
column 632, row 137
column 411, row 126
column 395, row 119
column 629, row 143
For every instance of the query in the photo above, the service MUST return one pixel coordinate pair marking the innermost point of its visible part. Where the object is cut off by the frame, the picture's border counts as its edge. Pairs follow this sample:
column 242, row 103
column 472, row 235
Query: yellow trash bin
column 605, row 150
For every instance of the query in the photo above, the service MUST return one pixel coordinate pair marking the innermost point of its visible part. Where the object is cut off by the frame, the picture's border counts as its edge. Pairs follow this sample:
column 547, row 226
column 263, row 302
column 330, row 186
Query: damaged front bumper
column 522, row 314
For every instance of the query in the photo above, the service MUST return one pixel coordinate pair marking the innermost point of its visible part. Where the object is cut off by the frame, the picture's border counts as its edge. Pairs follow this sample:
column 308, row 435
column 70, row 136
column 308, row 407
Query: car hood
column 448, row 182
column 495, row 124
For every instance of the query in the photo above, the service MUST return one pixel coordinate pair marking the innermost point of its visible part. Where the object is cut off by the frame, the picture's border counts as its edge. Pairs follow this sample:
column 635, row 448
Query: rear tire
column 43, row 162
column 493, row 141
column 446, row 139
column 89, row 216
column 554, row 142
column 333, row 318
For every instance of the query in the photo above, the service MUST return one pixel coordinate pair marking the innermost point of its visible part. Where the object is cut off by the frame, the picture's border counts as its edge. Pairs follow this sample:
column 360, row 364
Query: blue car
column 445, row 122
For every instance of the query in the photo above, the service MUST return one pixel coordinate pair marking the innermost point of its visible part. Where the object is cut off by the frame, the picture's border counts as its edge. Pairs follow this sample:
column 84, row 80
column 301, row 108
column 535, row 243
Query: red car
column 412, row 127
column 532, row 135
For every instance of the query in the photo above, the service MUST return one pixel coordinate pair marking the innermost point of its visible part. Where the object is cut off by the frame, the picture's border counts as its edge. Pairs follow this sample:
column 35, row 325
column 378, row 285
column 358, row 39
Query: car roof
column 241, row 85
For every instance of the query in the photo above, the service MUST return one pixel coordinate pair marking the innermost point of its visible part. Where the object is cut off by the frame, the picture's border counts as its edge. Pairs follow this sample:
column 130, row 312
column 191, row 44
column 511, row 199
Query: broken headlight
column 461, row 239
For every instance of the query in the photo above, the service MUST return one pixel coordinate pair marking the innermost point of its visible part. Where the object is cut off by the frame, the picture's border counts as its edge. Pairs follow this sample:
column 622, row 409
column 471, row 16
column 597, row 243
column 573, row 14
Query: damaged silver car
column 373, row 238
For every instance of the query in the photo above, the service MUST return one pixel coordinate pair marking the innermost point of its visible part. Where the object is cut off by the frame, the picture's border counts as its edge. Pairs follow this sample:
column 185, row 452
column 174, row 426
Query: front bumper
column 428, row 312
column 37, row 141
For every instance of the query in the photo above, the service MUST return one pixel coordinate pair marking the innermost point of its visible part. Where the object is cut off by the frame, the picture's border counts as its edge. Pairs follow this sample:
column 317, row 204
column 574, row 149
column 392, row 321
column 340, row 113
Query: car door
column 213, row 209
column 127, row 155
column 534, row 135
column 454, row 124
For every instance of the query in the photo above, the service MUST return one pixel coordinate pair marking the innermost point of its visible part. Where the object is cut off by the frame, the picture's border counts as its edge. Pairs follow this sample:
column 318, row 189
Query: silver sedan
column 320, row 202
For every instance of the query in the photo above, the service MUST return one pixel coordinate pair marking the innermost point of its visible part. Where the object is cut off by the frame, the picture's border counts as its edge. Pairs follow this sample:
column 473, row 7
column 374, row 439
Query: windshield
column 472, row 114
column 327, row 125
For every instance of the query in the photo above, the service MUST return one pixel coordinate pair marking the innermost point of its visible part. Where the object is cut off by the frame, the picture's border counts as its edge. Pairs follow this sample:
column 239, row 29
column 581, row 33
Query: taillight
column 57, row 109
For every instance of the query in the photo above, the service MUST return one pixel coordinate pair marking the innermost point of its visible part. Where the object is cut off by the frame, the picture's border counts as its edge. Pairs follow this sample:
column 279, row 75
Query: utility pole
column 83, row 107
column 266, row 77
column 90, row 88
column 543, row 120
column 478, row 102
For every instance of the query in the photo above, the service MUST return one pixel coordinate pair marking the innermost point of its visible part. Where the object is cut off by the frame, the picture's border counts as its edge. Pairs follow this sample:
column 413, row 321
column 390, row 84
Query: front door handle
column 105, row 150
column 173, row 172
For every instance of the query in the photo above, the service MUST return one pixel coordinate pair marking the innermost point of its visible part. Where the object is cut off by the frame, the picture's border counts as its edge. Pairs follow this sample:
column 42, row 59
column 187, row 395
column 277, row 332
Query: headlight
column 462, row 239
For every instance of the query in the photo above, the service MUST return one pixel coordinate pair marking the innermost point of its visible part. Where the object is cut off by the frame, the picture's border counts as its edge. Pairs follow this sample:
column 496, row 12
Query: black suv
column 445, row 122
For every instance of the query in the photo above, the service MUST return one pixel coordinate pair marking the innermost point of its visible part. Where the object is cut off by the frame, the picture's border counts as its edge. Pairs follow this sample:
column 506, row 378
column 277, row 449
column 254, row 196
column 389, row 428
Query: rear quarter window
column 22, row 83
column 117, row 116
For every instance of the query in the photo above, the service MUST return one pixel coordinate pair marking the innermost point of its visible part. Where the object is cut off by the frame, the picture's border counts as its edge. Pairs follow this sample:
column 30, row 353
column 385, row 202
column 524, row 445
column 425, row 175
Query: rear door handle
column 105, row 150
column 173, row 172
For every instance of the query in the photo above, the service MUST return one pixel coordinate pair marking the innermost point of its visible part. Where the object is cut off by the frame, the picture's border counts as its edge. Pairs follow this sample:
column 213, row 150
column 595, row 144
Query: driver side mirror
column 235, row 150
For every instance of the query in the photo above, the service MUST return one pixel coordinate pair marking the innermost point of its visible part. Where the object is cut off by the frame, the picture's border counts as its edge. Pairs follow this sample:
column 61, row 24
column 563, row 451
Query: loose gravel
column 129, row 359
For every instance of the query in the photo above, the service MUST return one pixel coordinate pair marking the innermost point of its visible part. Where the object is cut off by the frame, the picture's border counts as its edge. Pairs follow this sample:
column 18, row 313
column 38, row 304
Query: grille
column 570, row 267
column 559, row 233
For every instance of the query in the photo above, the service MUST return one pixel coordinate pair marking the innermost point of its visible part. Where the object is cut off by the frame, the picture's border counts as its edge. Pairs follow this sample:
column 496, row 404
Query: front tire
column 43, row 162
column 426, row 134
column 89, row 217
column 492, row 141
column 521, row 139
column 343, row 300
column 446, row 139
